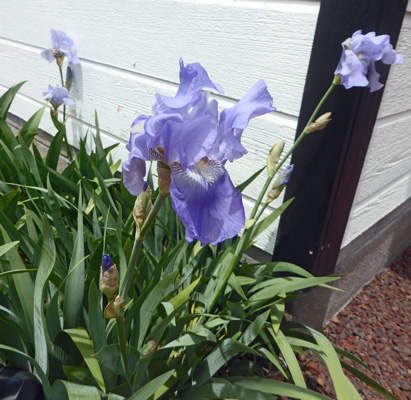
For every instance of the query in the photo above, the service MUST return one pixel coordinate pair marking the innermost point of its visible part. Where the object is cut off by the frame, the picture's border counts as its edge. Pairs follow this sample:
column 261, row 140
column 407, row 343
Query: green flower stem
column 122, row 339
column 137, row 245
column 244, row 239
column 62, row 85
column 64, row 115
column 296, row 143
column 129, row 276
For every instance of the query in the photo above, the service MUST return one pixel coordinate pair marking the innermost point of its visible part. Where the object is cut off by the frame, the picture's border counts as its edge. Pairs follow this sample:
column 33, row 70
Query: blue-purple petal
column 58, row 95
column 373, row 78
column 106, row 262
column 257, row 101
column 60, row 41
column 134, row 170
column 209, row 206
column 48, row 54
column 186, row 143
column 156, row 123
column 193, row 78
column 357, row 63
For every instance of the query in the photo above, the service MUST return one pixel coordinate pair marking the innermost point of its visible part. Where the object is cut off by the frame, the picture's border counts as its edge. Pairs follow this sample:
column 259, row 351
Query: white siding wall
column 385, row 181
column 129, row 50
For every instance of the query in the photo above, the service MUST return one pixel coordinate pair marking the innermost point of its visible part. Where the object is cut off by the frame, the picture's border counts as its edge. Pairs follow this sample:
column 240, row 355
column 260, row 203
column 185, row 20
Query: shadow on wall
column 78, row 97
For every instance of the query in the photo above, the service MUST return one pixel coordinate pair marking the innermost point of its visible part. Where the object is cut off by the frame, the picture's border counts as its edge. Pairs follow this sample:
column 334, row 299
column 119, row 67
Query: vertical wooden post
column 328, row 164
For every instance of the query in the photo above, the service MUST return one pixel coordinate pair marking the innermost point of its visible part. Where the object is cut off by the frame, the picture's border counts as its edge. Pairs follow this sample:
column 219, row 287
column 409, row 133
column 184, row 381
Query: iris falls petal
column 207, row 202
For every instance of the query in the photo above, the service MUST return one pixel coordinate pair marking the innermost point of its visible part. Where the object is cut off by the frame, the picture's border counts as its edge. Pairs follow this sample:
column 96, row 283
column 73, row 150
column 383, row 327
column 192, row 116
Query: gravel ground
column 376, row 327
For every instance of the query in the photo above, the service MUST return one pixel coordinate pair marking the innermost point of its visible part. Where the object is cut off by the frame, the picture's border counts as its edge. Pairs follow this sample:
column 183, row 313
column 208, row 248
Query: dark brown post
column 328, row 163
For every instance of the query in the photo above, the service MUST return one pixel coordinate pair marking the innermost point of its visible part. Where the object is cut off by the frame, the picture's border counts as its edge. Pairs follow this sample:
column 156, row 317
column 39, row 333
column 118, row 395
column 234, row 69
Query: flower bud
column 109, row 276
column 69, row 78
column 142, row 207
column 274, row 157
column 115, row 308
column 279, row 184
column 148, row 349
column 164, row 178
column 319, row 124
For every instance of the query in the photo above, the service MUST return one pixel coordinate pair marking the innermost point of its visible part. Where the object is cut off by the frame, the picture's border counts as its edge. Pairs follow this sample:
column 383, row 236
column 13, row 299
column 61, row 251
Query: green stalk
column 122, row 339
column 137, row 245
column 129, row 276
column 64, row 115
column 62, row 85
column 294, row 146
column 239, row 249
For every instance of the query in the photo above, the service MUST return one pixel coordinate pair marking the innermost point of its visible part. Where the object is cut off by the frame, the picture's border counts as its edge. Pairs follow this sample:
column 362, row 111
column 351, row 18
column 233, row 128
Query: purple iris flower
column 359, row 54
column 61, row 46
column 186, row 133
column 58, row 95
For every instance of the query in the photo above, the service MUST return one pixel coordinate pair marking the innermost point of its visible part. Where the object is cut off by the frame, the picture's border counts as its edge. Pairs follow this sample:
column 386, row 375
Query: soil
column 375, row 327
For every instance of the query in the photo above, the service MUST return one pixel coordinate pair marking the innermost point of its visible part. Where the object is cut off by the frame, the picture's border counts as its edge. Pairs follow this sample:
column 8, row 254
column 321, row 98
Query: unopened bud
column 164, row 178
column 69, row 78
column 109, row 276
column 274, row 194
column 142, row 207
column 148, row 349
column 115, row 308
column 279, row 184
column 319, row 124
column 274, row 157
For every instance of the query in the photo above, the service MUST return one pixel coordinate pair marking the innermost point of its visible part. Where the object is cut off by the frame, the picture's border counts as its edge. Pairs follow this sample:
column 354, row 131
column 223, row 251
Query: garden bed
column 374, row 326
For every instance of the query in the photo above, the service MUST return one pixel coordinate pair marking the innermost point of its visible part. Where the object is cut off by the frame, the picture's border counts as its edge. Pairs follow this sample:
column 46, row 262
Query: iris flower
column 58, row 95
column 61, row 46
column 359, row 54
column 186, row 133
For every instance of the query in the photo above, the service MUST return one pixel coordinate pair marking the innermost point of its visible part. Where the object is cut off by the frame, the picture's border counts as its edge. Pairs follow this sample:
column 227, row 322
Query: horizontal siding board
column 269, row 40
column 367, row 213
column 389, row 157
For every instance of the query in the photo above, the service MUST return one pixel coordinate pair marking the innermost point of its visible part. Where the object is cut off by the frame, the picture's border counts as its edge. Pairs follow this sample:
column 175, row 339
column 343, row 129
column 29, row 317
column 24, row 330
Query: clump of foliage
column 197, row 322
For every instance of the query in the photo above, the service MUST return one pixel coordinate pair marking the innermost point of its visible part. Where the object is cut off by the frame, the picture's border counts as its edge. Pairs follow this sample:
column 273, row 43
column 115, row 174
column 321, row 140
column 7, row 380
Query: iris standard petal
column 193, row 78
column 134, row 170
column 155, row 123
column 257, row 101
column 207, row 202
column 186, row 143
column 60, row 40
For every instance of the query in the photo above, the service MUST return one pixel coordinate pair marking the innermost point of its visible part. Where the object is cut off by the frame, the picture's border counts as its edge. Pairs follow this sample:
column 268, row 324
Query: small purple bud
column 69, row 78
column 69, row 74
column 145, row 186
column 106, row 262
column 284, row 177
